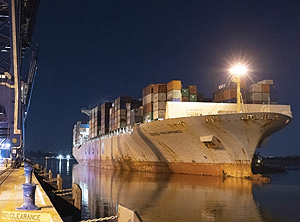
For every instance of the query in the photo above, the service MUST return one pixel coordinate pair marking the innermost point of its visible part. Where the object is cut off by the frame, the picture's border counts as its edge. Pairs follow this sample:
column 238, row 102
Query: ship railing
column 127, row 129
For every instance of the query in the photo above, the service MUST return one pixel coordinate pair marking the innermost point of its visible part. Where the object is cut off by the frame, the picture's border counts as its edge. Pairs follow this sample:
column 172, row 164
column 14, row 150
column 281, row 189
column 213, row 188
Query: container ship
column 174, row 129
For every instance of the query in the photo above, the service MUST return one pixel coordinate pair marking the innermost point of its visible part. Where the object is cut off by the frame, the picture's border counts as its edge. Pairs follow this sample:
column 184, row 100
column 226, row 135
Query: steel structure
column 17, row 18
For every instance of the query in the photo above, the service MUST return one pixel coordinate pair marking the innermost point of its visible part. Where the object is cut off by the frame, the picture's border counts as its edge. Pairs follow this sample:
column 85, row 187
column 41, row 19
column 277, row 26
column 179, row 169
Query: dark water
column 176, row 197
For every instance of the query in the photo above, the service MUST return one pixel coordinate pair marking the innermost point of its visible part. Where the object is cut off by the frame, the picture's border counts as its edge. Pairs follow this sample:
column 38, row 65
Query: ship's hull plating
column 180, row 145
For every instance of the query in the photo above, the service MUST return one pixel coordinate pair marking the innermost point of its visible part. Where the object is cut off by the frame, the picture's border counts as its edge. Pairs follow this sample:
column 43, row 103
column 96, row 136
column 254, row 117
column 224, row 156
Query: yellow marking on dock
column 24, row 216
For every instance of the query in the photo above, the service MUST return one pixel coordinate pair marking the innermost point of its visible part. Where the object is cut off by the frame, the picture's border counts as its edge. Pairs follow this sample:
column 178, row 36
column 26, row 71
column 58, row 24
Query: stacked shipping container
column 159, row 101
column 174, row 91
column 95, row 122
column 123, row 112
column 261, row 92
column 105, row 108
column 120, row 112
column 134, row 112
column 189, row 94
column 148, row 103
column 227, row 92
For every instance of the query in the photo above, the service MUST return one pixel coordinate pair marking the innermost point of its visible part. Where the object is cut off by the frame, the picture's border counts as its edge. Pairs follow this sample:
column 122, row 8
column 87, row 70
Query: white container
column 266, row 81
column 159, row 105
column 266, row 97
column 147, row 99
column 159, row 114
column 174, row 94
column 255, row 97
column 159, row 97
column 255, row 88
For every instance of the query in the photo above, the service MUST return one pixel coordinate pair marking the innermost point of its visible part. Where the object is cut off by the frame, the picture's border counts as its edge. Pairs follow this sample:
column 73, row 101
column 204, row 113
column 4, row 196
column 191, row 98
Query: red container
column 147, row 108
column 193, row 89
column 160, row 88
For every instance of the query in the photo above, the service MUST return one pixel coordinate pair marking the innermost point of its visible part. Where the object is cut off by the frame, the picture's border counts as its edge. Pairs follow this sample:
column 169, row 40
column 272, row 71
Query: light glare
column 238, row 69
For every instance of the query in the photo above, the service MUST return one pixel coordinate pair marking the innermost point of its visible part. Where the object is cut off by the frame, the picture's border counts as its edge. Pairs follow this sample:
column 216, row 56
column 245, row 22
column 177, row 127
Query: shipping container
column 106, row 106
column 121, row 112
column 136, row 103
column 159, row 97
column 193, row 98
column 148, row 90
column 147, row 99
column 128, row 106
column 175, row 100
column 266, row 97
column 266, row 81
column 174, row 85
column 159, row 105
column 173, row 94
column 159, row 114
column 255, row 88
column 185, row 98
column 123, row 99
column 159, row 88
column 136, row 116
column 148, row 108
column 254, row 97
column 192, row 89
column 265, row 88
column 225, row 94
column 185, row 92
column 200, row 97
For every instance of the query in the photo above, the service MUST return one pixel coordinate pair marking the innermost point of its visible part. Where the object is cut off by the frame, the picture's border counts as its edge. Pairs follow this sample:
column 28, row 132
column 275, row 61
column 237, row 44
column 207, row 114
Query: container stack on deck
column 95, row 122
column 124, row 111
column 262, row 92
column 226, row 93
column 189, row 94
column 174, row 91
column 134, row 112
column 148, row 103
column 159, row 101
column 120, row 111
column 105, row 107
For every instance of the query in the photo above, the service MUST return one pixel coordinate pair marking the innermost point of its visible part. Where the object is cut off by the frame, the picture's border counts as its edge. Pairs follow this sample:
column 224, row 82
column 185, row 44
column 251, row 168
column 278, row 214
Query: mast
column 237, row 71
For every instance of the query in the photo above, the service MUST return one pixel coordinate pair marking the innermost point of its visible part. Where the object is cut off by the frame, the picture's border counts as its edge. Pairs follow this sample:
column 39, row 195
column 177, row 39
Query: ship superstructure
column 182, row 132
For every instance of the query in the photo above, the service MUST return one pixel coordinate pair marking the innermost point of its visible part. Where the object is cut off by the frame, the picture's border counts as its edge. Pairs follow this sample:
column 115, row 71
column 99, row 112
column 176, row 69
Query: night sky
column 95, row 51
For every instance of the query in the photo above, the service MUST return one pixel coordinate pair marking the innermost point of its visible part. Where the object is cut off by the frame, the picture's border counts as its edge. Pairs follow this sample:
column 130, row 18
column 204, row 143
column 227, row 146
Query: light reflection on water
column 176, row 197
column 165, row 197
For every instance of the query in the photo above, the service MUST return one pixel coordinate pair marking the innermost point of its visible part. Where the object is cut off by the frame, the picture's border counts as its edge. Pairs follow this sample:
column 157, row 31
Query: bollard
column 28, row 174
column 28, row 197
column 77, row 195
column 50, row 175
column 59, row 182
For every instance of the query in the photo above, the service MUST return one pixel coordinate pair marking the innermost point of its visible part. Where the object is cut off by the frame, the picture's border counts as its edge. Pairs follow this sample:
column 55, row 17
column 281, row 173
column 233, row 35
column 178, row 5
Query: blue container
column 175, row 100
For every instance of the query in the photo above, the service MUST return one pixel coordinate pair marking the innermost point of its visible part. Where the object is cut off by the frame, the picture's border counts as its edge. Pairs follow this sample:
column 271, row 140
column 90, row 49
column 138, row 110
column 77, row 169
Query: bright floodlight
column 60, row 157
column 68, row 157
column 238, row 69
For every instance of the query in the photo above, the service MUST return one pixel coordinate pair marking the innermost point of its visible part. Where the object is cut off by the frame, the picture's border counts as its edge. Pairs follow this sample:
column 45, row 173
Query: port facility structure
column 17, row 19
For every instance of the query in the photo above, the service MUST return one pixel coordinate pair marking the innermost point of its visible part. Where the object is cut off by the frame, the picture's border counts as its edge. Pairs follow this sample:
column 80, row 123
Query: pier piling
column 59, row 182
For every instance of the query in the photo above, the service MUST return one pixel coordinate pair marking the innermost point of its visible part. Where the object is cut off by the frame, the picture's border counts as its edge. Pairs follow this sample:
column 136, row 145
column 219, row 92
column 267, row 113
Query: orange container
column 174, row 85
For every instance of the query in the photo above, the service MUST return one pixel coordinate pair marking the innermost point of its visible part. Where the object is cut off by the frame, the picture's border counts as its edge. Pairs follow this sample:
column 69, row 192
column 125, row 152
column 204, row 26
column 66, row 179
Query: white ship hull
column 218, row 145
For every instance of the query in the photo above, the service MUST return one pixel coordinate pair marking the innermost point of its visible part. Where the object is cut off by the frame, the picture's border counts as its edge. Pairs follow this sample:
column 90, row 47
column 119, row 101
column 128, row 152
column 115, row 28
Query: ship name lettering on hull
column 165, row 132
column 212, row 119
column 263, row 117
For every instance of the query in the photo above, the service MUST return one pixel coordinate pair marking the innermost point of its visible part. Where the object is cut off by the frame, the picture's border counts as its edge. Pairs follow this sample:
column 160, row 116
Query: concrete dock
column 11, row 197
